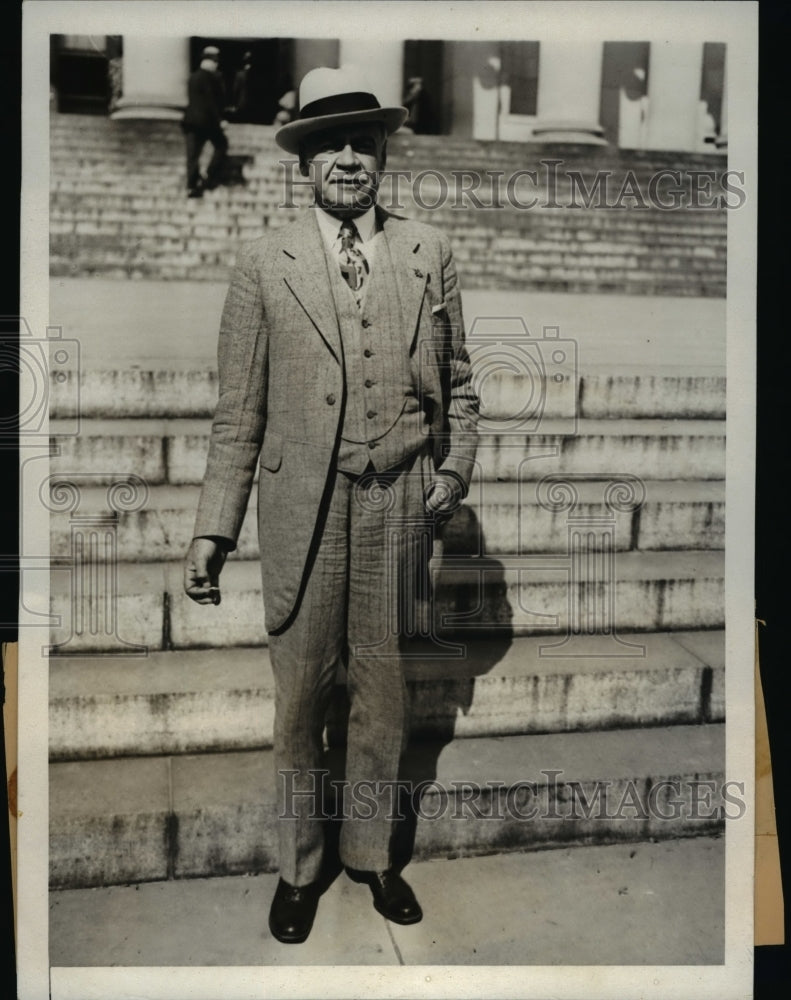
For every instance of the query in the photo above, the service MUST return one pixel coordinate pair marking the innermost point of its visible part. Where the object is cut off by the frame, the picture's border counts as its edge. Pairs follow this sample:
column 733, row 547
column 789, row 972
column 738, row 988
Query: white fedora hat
column 330, row 97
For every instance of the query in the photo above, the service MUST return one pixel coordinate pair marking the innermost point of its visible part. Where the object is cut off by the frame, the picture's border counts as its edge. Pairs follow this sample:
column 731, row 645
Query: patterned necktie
column 354, row 266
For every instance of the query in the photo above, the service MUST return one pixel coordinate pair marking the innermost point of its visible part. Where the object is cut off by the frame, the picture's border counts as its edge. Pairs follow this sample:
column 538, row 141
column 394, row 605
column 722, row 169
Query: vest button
column 371, row 414
column 366, row 324
column 331, row 399
column 368, row 383
column 368, row 352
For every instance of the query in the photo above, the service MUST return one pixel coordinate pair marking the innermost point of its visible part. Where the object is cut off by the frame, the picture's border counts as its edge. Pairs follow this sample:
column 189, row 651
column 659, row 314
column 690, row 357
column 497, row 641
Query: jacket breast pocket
column 272, row 451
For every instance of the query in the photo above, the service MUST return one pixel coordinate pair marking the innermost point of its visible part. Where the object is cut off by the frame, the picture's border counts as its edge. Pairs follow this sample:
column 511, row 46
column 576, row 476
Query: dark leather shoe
column 393, row 898
column 292, row 911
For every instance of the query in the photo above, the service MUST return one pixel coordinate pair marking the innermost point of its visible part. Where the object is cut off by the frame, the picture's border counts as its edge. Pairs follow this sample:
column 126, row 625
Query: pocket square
column 438, row 308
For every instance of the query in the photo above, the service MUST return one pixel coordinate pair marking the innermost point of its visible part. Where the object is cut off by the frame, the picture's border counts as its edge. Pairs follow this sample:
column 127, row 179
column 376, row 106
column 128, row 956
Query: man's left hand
column 444, row 495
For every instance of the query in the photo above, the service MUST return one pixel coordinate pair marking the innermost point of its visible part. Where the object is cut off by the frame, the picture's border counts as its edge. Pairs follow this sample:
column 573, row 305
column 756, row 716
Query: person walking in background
column 242, row 90
column 204, row 122
column 421, row 120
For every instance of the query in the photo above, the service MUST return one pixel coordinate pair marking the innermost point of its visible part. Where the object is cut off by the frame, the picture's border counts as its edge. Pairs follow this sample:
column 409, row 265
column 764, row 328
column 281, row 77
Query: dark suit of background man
column 242, row 90
column 342, row 363
column 203, row 122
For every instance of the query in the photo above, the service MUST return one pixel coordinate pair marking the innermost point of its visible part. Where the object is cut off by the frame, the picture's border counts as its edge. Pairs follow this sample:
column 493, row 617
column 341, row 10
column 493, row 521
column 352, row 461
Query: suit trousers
column 358, row 604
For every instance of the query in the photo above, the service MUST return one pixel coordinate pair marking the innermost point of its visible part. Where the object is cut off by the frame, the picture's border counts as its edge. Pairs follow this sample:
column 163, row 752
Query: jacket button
column 368, row 383
column 366, row 324
column 418, row 273
column 372, row 444
column 371, row 414
column 331, row 399
column 368, row 352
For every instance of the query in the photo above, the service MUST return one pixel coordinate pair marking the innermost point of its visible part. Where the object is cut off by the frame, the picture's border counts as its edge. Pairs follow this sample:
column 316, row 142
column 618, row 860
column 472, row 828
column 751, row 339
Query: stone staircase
column 582, row 582
column 118, row 208
column 161, row 762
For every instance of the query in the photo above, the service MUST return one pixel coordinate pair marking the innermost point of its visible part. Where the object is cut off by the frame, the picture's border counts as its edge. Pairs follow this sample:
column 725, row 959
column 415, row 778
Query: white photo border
column 736, row 24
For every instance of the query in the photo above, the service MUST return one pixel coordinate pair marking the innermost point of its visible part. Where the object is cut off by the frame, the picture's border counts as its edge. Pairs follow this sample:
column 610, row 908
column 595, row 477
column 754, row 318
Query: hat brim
column 291, row 135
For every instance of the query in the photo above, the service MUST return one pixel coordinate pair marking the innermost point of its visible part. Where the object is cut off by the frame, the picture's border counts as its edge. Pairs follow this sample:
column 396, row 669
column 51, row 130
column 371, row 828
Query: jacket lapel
column 411, row 272
column 305, row 274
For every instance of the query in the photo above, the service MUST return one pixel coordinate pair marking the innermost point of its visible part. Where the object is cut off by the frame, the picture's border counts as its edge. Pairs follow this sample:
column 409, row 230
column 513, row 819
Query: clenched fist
column 202, row 566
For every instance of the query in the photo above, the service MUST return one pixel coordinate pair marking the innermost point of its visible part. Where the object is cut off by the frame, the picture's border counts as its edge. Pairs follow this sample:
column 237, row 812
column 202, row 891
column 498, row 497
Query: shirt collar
column 331, row 227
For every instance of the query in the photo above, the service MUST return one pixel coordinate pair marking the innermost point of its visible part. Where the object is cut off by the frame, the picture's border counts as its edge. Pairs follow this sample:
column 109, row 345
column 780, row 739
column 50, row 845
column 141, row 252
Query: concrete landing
column 632, row 904
column 174, row 323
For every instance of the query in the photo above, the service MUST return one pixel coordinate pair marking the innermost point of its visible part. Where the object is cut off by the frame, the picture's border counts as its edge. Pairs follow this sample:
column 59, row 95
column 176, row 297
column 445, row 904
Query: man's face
column 343, row 164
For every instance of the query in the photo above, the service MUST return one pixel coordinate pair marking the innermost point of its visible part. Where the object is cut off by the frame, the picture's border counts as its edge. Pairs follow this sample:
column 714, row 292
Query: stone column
column 382, row 62
column 155, row 72
column 674, row 72
column 569, row 93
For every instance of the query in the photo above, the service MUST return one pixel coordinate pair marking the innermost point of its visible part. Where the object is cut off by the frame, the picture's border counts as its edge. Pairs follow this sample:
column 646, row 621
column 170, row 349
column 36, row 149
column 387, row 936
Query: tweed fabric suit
column 380, row 374
column 280, row 361
column 288, row 348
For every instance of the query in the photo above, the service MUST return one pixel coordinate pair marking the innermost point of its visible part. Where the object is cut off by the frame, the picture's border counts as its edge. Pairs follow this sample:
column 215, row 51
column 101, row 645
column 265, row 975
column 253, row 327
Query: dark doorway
column 82, row 72
column 624, row 85
column 252, row 93
column 520, row 71
column 712, row 80
column 423, row 62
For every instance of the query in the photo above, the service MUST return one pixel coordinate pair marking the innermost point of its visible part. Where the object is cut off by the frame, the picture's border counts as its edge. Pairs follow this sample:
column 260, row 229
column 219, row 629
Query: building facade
column 632, row 95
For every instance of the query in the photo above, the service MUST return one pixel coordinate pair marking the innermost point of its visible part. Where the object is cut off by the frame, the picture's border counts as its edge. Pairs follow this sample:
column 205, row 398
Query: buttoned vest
column 382, row 421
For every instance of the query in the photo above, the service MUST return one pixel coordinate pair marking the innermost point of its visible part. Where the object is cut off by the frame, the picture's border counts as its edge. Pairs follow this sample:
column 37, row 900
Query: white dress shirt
column 330, row 228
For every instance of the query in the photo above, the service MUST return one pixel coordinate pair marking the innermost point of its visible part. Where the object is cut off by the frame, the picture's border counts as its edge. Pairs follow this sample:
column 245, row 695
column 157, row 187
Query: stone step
column 166, row 160
column 113, row 173
column 174, row 451
column 85, row 137
column 683, row 267
column 149, row 392
column 124, row 249
column 497, row 518
column 199, row 701
column 141, row 819
column 73, row 127
column 145, row 604
column 82, row 221
column 94, row 193
column 80, row 227
column 114, row 191
column 157, row 241
column 184, row 268
column 177, row 270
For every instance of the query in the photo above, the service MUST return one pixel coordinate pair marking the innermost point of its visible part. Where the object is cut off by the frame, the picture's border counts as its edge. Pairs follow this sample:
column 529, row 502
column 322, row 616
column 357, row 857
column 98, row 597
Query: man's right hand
column 202, row 566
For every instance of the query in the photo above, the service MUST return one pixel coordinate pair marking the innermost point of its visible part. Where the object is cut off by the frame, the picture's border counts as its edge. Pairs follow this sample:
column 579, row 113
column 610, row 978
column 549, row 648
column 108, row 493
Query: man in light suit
column 342, row 365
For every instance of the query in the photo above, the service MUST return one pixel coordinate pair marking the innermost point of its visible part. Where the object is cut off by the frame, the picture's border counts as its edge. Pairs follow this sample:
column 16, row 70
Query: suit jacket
column 282, row 383
column 205, row 100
